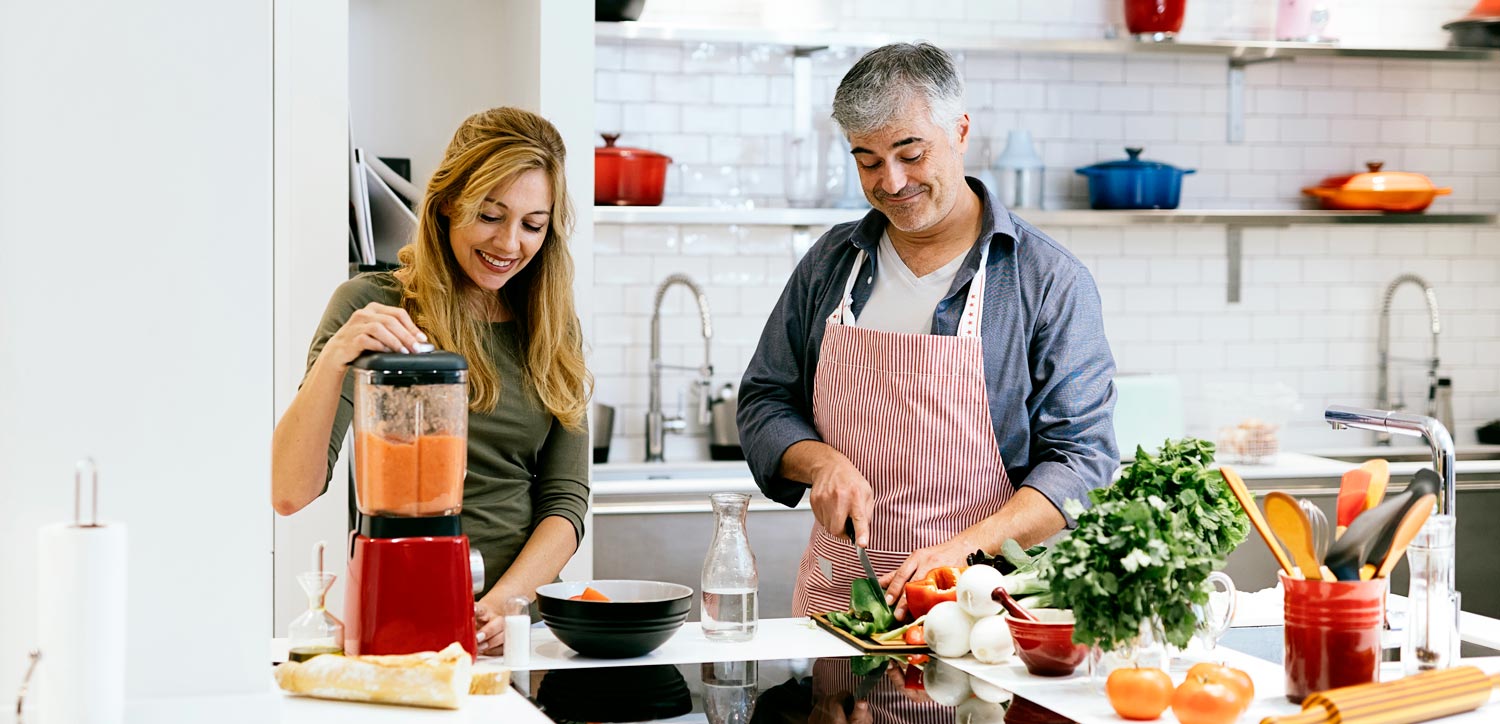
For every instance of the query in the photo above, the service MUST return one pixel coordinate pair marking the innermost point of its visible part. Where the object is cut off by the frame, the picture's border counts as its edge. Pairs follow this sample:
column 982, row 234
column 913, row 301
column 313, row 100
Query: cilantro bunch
column 1179, row 475
column 1145, row 548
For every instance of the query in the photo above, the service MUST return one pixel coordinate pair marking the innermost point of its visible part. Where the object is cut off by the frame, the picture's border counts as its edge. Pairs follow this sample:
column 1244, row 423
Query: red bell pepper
column 912, row 678
column 940, row 585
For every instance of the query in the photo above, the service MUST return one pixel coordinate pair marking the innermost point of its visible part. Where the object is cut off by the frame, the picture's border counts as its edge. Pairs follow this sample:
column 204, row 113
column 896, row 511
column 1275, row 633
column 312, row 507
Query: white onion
column 990, row 640
column 976, row 591
column 989, row 692
column 947, row 629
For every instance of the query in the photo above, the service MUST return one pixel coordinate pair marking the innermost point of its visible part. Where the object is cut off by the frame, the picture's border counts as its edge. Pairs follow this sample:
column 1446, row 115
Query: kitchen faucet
column 1383, row 379
column 1428, row 428
column 658, row 424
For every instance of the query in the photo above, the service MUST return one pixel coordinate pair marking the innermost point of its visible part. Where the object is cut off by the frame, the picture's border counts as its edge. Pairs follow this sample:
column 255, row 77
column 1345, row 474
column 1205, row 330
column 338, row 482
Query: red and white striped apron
column 911, row 412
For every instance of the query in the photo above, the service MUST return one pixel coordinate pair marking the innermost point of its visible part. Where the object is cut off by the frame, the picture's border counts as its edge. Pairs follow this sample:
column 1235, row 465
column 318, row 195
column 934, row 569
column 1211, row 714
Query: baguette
column 489, row 682
column 438, row 679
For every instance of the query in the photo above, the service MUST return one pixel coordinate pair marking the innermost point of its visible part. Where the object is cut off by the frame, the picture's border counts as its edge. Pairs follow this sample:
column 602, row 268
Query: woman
column 489, row 277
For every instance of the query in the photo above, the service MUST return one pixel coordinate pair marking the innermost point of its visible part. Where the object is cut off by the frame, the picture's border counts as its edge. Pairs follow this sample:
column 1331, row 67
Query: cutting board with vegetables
column 865, row 644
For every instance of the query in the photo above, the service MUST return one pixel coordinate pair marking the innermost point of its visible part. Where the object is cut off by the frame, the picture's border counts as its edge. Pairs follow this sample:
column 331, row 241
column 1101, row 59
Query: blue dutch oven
column 1134, row 184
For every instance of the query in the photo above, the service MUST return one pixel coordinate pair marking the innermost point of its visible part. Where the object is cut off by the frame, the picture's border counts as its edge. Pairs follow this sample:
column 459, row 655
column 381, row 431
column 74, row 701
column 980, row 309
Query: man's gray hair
column 885, row 79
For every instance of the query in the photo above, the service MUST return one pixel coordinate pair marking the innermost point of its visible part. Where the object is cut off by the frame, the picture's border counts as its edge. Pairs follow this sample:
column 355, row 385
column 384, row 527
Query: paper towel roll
column 81, row 625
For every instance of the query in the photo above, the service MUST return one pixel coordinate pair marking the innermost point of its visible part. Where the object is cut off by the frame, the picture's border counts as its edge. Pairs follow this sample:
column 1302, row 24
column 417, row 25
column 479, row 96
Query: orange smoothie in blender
column 410, row 479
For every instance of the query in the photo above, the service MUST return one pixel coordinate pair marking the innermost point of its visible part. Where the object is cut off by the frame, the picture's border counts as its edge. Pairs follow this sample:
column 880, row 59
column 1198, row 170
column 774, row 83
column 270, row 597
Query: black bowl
column 617, row 10
column 1474, row 33
column 639, row 617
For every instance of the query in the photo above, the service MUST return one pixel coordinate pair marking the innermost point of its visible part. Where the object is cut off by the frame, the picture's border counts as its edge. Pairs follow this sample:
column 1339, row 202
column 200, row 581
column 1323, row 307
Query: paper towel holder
column 36, row 655
column 93, row 470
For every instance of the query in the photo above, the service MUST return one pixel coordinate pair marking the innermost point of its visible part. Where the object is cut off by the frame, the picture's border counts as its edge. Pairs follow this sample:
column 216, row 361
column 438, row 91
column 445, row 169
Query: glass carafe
column 730, row 583
column 1432, row 604
column 316, row 631
column 729, row 689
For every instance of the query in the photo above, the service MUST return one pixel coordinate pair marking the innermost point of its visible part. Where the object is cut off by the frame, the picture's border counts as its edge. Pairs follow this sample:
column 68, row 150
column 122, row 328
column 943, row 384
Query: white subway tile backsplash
column 740, row 89
column 653, row 58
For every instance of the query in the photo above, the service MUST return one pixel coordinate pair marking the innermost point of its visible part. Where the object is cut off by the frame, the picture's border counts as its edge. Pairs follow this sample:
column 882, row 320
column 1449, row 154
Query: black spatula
column 1424, row 482
column 1352, row 549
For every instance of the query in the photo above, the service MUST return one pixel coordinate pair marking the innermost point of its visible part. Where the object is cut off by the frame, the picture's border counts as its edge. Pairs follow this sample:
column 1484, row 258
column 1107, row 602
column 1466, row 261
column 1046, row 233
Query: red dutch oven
column 628, row 176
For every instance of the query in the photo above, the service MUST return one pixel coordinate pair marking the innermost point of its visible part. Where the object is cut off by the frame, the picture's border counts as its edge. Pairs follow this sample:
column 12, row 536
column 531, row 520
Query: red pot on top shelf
column 1154, row 19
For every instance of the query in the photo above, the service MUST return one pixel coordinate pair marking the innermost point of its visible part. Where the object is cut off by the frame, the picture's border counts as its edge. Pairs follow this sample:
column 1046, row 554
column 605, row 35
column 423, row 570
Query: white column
column 136, row 316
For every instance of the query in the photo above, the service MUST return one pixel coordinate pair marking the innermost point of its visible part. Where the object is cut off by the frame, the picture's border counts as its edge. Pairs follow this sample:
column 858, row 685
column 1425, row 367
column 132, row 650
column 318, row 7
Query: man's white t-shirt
column 900, row 300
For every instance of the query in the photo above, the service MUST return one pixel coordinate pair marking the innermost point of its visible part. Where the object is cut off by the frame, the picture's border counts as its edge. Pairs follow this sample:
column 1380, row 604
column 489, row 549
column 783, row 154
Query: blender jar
column 411, row 419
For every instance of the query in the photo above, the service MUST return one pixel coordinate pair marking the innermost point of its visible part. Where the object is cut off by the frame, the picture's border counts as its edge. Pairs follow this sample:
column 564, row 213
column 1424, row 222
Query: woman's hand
column 490, row 627
column 373, row 328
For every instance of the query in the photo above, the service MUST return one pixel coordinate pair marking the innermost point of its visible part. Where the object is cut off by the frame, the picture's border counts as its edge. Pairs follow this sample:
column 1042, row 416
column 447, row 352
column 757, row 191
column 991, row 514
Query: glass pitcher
column 730, row 582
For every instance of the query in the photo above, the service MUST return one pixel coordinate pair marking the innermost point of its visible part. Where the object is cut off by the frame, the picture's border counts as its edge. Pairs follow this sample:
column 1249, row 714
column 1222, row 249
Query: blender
column 412, row 577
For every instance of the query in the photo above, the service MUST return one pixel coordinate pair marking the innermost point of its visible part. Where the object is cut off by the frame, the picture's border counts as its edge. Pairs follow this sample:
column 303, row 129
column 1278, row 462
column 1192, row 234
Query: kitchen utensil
column 1354, row 490
column 1417, row 698
column 864, row 560
column 1332, row 633
column 1380, row 476
column 1154, row 20
column 1377, row 190
column 637, row 619
column 614, row 11
column 1290, row 523
column 1302, row 21
column 1352, row 549
column 1020, row 170
column 1319, row 522
column 1046, row 645
column 730, row 581
column 1433, row 606
column 724, row 431
column 1425, row 482
column 34, row 657
column 628, row 176
column 865, row 644
column 1247, row 502
column 604, row 431
column 412, row 576
column 1133, row 183
column 1411, row 523
column 1012, row 606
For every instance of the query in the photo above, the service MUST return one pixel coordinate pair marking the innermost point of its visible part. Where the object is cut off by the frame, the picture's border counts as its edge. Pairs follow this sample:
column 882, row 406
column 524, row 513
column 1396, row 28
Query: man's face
column 912, row 170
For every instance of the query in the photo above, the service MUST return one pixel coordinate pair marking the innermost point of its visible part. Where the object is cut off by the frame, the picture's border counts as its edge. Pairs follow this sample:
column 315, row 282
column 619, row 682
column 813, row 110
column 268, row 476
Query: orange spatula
column 1353, row 494
column 1380, row 476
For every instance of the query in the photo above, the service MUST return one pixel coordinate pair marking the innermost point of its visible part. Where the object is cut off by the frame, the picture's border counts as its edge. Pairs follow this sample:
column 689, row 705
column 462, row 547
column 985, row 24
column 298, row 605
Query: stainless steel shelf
column 693, row 215
column 1242, row 50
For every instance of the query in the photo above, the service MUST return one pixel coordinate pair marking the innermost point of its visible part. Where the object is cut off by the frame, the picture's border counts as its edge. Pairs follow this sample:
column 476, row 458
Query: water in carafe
column 730, row 581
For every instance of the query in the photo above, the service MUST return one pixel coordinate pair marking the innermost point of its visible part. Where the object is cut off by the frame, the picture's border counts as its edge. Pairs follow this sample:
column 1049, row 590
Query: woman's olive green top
column 523, row 464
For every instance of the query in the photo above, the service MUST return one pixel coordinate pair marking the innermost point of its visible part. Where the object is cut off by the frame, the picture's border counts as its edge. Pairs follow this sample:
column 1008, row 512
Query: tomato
column 1137, row 693
column 589, row 594
column 918, row 659
column 941, row 584
column 912, row 679
column 1201, row 700
column 1232, row 678
column 915, row 636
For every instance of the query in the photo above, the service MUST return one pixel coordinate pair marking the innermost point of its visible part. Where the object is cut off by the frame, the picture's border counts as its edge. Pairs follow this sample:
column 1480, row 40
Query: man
column 936, row 372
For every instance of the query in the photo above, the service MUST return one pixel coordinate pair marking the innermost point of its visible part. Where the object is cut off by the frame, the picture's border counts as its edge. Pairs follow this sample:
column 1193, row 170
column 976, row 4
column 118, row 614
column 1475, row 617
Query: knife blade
column 864, row 560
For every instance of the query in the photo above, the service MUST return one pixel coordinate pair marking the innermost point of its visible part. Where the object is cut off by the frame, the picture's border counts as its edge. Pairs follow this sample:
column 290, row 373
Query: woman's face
column 507, row 233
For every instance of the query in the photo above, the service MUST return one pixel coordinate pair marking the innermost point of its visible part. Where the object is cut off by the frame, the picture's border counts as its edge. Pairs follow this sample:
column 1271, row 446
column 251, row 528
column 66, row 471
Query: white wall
column 312, row 258
column 1308, row 319
column 136, row 313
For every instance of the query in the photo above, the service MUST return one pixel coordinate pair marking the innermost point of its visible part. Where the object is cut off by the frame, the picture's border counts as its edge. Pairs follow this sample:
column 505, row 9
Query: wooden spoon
column 1242, row 494
column 1353, row 492
column 1411, row 523
column 1380, row 477
column 1291, row 525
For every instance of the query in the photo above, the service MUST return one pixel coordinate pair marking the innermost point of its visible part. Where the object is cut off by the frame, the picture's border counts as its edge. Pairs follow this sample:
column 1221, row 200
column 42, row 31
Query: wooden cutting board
column 867, row 645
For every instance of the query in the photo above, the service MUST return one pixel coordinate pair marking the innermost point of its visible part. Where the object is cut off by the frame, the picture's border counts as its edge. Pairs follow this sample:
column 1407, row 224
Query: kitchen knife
column 864, row 560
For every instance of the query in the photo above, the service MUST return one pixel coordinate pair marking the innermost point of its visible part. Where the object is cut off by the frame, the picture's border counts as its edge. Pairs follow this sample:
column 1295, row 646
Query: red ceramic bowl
column 1046, row 646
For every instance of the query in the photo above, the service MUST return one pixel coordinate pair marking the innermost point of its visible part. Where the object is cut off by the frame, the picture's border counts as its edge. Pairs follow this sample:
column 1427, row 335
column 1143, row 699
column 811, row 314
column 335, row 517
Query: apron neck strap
column 968, row 323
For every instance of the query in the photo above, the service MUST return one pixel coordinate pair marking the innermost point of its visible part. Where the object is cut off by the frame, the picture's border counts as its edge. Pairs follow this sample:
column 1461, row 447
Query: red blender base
column 409, row 594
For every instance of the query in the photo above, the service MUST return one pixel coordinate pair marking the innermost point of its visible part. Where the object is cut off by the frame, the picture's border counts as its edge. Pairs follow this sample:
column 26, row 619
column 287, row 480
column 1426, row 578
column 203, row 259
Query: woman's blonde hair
column 495, row 147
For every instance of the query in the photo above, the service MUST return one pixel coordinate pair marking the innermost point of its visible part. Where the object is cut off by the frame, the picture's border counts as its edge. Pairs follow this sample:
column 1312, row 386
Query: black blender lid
column 421, row 368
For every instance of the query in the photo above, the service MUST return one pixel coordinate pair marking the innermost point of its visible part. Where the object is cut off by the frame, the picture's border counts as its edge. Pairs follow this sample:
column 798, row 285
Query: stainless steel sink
column 1418, row 456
